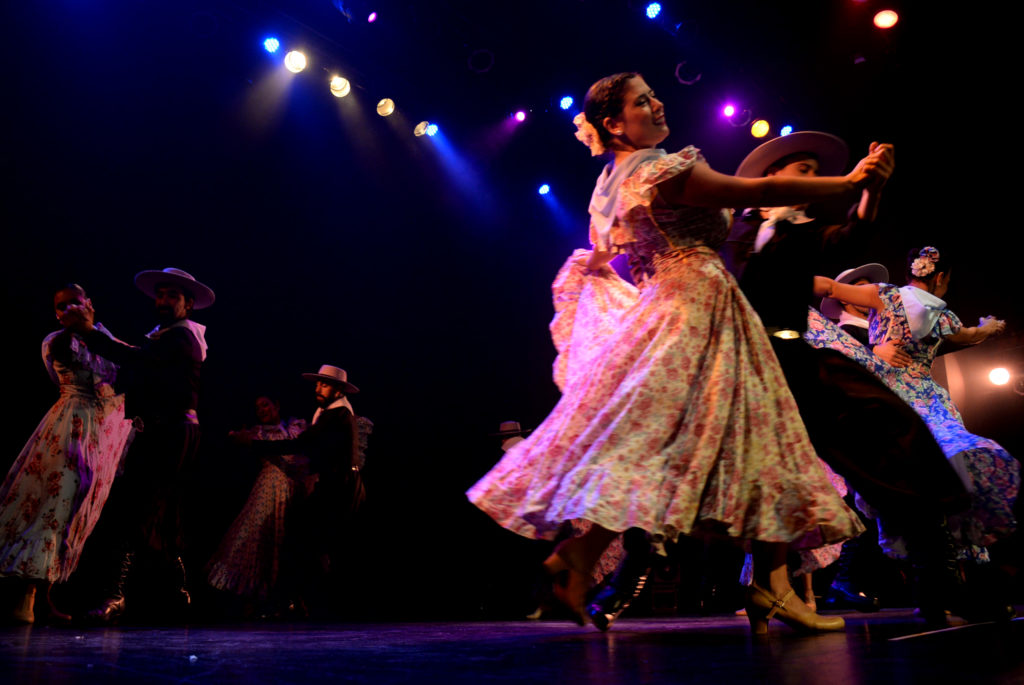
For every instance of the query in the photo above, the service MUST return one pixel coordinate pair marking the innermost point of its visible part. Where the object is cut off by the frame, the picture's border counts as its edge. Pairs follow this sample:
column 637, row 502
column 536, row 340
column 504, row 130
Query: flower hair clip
column 924, row 265
column 587, row 134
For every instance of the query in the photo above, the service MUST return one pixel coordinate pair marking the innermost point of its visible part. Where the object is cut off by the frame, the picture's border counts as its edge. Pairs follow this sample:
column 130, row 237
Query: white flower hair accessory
column 587, row 134
column 924, row 265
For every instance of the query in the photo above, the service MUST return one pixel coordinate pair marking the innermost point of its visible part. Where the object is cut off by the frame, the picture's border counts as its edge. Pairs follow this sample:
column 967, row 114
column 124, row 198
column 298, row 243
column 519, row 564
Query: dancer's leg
column 772, row 595
column 574, row 559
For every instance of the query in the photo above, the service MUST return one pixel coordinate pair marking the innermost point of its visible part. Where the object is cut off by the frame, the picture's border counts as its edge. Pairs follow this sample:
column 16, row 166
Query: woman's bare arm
column 972, row 335
column 861, row 295
column 705, row 187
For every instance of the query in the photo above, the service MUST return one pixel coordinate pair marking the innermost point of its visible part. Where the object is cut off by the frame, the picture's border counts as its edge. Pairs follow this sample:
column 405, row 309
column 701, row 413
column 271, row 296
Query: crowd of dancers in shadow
column 113, row 460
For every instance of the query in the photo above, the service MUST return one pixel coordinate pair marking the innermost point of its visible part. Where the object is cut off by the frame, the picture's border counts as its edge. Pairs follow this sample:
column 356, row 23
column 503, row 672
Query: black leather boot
column 938, row 582
column 181, row 583
column 843, row 594
column 622, row 586
column 111, row 609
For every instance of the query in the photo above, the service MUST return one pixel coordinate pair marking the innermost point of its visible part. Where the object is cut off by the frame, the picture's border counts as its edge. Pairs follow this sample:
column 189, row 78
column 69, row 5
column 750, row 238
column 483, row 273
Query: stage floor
column 889, row 647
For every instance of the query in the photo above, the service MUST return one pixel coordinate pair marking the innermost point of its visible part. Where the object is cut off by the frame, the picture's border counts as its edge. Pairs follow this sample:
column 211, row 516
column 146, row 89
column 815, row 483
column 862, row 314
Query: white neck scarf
column 776, row 214
column 922, row 310
column 606, row 191
column 197, row 329
column 342, row 402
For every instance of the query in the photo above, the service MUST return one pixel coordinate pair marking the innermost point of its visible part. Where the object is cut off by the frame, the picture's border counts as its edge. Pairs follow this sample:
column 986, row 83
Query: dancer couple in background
column 55, row 492
column 915, row 320
column 676, row 417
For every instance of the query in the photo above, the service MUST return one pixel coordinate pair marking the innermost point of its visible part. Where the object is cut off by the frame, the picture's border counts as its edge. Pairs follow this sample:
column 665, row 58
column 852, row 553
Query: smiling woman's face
column 641, row 124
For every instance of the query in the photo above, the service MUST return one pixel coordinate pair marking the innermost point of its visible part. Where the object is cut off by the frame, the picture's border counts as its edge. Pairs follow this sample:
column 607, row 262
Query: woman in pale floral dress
column 916, row 320
column 678, row 420
column 250, row 561
column 53, row 494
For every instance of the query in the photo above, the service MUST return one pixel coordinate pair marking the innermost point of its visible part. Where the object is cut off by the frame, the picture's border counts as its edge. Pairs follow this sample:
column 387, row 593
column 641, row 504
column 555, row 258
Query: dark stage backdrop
column 141, row 135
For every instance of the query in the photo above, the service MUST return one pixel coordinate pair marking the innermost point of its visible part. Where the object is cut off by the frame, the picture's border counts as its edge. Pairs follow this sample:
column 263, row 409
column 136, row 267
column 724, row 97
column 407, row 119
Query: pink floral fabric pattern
column 53, row 494
column 248, row 561
column 588, row 308
column 681, row 421
column 989, row 472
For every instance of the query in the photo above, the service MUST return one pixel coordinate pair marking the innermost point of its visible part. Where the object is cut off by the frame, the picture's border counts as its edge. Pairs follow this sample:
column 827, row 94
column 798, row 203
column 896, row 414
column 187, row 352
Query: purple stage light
column 519, row 116
column 728, row 111
column 372, row 18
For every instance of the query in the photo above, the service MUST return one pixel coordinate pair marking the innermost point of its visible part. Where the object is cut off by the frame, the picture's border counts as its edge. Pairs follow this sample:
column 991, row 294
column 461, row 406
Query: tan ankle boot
column 23, row 610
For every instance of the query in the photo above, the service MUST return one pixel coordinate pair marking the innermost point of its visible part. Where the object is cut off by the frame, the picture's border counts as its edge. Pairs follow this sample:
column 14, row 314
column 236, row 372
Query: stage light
column 785, row 130
column 432, row 130
column 786, row 334
column 653, row 10
column 886, row 19
column 271, row 45
column 566, row 102
column 340, row 87
column 295, row 61
column 999, row 376
column 519, row 116
column 760, row 128
column 544, row 189
column 421, row 128
column 385, row 107
column 372, row 18
column 728, row 110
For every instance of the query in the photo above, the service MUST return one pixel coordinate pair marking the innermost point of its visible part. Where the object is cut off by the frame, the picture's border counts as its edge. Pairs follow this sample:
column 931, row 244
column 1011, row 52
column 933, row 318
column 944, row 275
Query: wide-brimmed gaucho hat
column 147, row 282
column 875, row 273
column 335, row 376
column 830, row 151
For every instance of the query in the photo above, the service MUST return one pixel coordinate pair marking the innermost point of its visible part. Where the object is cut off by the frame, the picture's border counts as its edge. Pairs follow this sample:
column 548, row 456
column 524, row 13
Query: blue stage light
column 653, row 10
column 432, row 130
column 785, row 130
column 544, row 189
column 566, row 102
column 271, row 45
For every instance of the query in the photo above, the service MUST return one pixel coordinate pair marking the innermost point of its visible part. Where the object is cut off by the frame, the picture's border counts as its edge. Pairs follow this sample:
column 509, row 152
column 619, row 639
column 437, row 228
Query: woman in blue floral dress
column 916, row 319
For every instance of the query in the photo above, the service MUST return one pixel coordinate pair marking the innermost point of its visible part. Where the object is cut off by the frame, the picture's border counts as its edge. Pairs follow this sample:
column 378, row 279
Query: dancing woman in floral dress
column 678, row 421
column 54, row 492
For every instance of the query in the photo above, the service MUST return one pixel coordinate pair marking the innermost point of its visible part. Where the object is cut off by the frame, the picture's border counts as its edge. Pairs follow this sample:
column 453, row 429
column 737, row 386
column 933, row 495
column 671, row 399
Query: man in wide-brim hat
column 791, row 245
column 160, row 379
column 320, row 522
column 776, row 252
column 511, row 433
column 804, row 153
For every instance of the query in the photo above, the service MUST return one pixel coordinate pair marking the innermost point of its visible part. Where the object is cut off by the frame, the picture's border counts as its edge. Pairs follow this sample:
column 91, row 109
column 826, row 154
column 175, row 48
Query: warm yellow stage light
column 886, row 19
column 421, row 128
column 295, row 61
column 759, row 129
column 385, row 107
column 340, row 87
column 786, row 334
column 999, row 376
